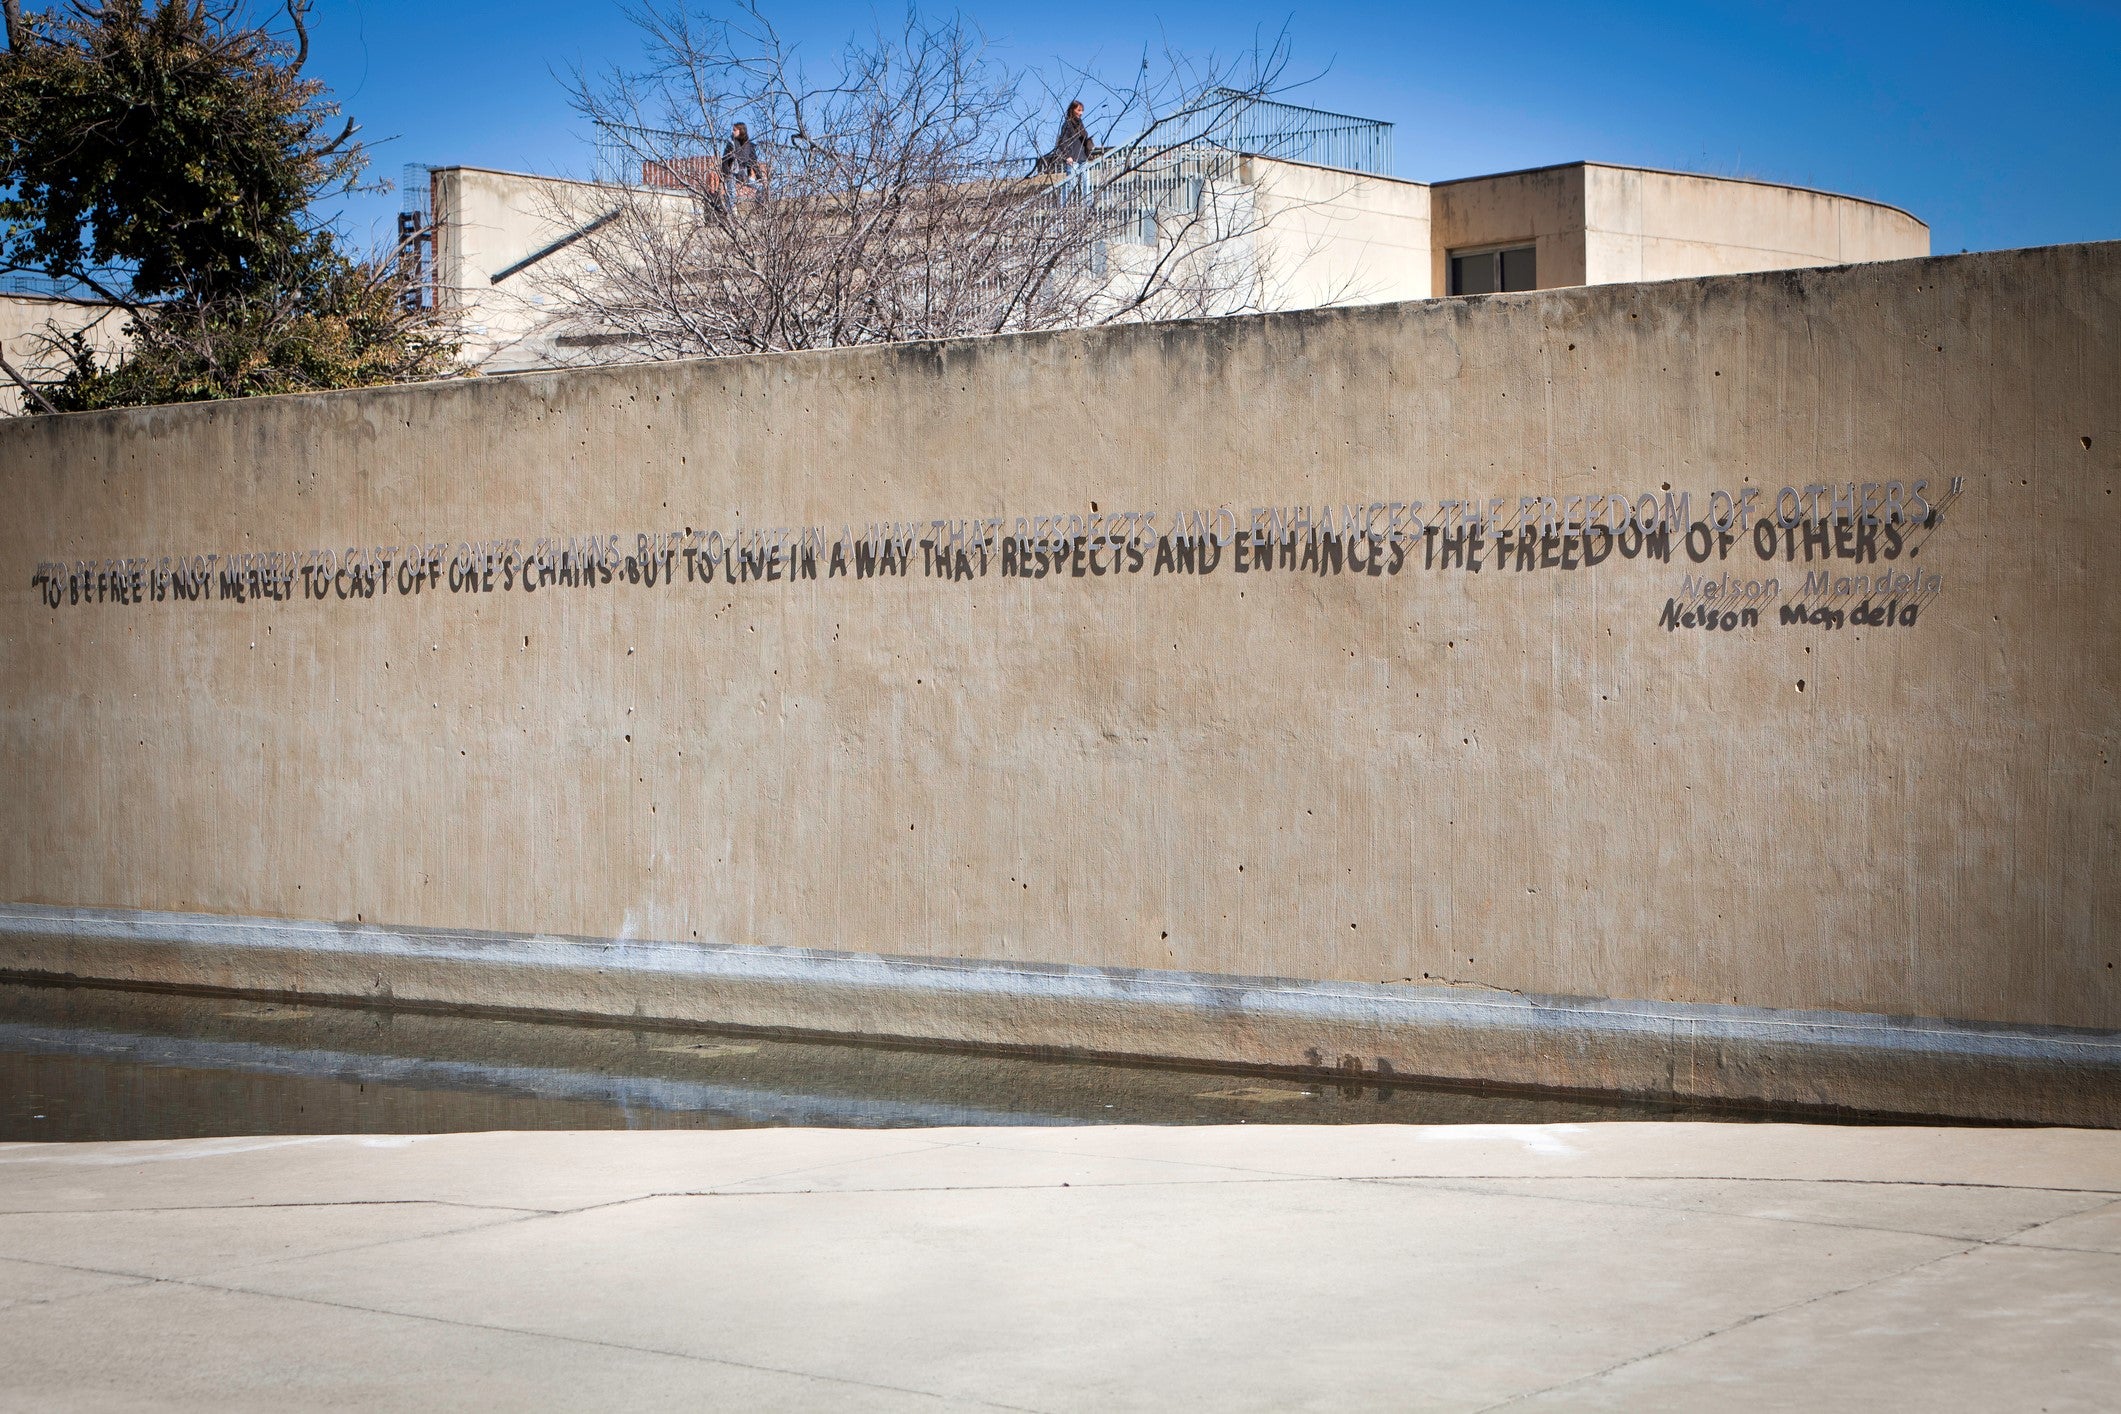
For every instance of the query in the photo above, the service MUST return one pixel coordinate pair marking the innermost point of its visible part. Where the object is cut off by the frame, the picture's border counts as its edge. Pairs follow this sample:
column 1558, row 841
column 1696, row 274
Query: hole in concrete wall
column 1800, row 684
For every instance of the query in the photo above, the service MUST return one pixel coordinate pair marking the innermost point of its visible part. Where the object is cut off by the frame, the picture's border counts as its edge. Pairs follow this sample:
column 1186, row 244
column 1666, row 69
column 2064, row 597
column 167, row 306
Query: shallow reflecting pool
column 95, row 1063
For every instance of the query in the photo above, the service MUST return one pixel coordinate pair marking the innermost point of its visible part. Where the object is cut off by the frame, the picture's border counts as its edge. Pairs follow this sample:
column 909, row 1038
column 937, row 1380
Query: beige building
column 506, row 243
column 1324, row 227
column 1593, row 223
column 33, row 326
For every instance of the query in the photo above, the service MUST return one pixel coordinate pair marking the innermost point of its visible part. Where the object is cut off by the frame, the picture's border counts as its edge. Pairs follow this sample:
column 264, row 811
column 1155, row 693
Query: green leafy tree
column 321, row 321
column 167, row 156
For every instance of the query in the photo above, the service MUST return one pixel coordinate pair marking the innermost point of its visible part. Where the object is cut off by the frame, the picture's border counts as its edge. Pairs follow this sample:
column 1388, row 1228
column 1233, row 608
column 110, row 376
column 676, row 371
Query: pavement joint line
column 1790, row 1306
column 1054, row 1186
column 1458, row 1186
column 1453, row 1185
column 29, row 1301
column 201, row 1285
column 1021, row 1148
column 133, row 1280
column 487, row 1226
column 2016, row 1239
column 763, row 1178
column 1445, row 1185
column 713, row 1193
column 2010, row 1241
column 1736, row 1325
column 1024, row 1148
column 1261, row 1175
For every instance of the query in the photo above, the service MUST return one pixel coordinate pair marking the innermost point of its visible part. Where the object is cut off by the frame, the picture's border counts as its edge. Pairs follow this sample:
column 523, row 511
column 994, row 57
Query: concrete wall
column 1596, row 224
column 1513, row 777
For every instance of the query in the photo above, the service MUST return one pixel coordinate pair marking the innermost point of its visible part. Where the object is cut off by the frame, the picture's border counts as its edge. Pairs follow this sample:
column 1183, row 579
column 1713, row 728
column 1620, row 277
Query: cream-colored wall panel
column 1333, row 237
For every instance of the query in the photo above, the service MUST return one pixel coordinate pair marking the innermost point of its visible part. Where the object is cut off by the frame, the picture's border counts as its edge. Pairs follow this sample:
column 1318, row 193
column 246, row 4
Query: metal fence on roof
column 1231, row 120
column 1166, row 172
column 1267, row 128
column 622, row 152
column 416, row 191
column 1135, row 187
column 24, row 282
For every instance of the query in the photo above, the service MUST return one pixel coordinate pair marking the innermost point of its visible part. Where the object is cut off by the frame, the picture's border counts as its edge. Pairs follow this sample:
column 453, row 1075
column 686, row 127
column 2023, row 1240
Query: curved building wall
column 1861, row 761
column 1596, row 224
column 1645, row 225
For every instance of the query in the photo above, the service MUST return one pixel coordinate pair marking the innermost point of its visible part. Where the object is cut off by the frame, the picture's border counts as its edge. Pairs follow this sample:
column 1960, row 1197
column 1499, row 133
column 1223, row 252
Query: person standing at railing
column 1073, row 147
column 741, row 166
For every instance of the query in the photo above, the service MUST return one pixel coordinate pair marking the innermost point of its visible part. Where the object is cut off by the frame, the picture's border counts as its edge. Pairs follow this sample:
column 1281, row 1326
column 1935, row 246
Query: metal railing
column 1136, row 187
column 416, row 239
column 25, row 282
column 1267, row 128
column 416, row 185
column 1233, row 121
column 622, row 153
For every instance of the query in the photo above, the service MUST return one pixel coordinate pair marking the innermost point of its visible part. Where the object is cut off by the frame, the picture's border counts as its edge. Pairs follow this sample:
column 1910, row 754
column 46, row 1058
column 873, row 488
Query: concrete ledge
column 1735, row 1055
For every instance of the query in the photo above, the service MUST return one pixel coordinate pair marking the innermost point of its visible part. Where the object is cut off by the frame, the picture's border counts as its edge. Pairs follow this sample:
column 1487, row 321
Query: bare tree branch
column 29, row 389
column 298, row 16
column 907, row 191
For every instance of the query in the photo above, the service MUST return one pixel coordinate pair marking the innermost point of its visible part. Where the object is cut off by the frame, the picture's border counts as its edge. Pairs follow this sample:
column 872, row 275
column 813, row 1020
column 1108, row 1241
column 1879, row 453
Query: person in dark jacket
column 741, row 164
column 1073, row 147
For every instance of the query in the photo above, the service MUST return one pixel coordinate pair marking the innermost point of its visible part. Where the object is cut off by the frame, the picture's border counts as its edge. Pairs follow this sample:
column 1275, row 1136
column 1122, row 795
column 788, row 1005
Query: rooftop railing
column 622, row 152
column 1233, row 121
column 1132, row 186
column 1265, row 127
column 23, row 282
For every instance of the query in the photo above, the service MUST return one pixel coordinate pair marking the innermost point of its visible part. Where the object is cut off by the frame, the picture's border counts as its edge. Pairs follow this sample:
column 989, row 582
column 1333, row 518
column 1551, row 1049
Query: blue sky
column 2000, row 125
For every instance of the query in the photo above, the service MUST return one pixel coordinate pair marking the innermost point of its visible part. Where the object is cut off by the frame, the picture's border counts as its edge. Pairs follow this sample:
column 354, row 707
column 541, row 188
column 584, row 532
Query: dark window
column 1475, row 274
column 1490, row 272
column 1518, row 271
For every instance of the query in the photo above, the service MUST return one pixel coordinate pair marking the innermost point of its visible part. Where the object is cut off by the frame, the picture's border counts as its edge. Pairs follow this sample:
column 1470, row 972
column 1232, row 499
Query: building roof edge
column 1675, row 172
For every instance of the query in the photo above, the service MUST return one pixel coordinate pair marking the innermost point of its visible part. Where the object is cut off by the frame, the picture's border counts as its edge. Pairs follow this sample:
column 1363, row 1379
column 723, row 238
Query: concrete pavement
column 1636, row 1266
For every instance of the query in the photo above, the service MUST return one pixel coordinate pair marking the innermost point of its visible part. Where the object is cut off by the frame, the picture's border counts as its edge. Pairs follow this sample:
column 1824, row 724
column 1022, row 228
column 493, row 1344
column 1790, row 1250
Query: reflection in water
column 92, row 1063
